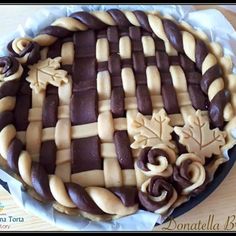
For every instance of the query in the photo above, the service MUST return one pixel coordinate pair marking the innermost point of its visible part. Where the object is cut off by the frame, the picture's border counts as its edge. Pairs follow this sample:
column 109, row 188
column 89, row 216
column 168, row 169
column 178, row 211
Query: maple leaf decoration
column 198, row 138
column 46, row 72
column 150, row 132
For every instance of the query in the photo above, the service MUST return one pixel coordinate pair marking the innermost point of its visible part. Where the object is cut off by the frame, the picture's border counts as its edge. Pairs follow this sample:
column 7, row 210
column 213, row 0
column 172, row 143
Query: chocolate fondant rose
column 10, row 69
column 156, row 160
column 189, row 174
column 157, row 195
column 25, row 50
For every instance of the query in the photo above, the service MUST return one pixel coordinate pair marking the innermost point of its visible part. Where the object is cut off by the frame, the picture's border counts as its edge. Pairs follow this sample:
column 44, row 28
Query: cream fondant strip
column 89, row 178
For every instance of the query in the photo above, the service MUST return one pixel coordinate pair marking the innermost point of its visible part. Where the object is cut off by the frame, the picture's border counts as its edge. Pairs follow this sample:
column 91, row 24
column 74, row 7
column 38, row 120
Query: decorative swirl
column 189, row 174
column 157, row 195
column 25, row 50
column 10, row 69
column 156, row 160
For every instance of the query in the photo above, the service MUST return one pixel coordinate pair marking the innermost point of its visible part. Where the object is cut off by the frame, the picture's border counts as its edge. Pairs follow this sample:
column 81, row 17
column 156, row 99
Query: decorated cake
column 104, row 113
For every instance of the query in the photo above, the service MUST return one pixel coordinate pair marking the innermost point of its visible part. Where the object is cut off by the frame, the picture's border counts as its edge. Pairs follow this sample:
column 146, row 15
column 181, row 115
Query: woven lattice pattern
column 74, row 142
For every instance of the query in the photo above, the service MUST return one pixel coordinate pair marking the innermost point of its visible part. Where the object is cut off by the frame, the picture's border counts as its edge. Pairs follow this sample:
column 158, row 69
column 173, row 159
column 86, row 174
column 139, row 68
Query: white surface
column 13, row 15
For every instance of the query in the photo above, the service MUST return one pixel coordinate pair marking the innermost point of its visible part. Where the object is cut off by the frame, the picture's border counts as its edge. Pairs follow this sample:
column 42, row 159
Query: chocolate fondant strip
column 102, row 66
column 102, row 34
column 85, row 44
column 197, row 97
column 9, row 88
column 119, row 17
column 34, row 55
column 186, row 63
column 23, row 104
column 113, row 39
column 55, row 49
column 52, row 90
column 143, row 20
column 201, row 52
column 117, row 102
column 89, row 20
column 173, row 34
column 151, row 61
column 56, row 31
column 13, row 153
column 24, row 85
column 117, row 94
column 144, row 100
column 114, row 65
column 84, row 85
column 68, row 68
column 159, row 43
column 81, row 199
column 6, row 118
column 47, row 156
column 40, row 181
column 139, row 62
column 126, row 63
column 169, row 98
column 174, row 60
column 85, row 153
column 217, row 106
column 193, row 77
column 50, row 109
column 123, row 151
column 135, row 36
column 84, row 69
column 162, row 61
column 209, row 76
column 127, row 194
column 84, row 107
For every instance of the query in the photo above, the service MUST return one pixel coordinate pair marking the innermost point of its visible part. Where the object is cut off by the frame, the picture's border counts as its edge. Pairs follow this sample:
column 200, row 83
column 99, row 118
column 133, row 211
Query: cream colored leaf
column 150, row 132
column 46, row 72
column 199, row 138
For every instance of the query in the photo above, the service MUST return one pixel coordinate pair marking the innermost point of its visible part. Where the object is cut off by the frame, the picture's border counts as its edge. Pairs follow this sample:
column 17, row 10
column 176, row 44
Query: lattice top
column 90, row 108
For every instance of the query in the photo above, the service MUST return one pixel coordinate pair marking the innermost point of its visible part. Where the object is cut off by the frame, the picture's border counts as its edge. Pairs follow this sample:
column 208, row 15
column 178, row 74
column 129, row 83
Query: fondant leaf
column 46, row 72
column 150, row 132
column 199, row 138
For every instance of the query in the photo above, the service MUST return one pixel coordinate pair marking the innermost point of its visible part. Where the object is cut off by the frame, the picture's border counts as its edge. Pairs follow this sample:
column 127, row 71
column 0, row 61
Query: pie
column 105, row 113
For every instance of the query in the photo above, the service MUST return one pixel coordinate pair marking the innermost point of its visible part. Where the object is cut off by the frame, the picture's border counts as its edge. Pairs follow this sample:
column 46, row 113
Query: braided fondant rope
column 98, row 200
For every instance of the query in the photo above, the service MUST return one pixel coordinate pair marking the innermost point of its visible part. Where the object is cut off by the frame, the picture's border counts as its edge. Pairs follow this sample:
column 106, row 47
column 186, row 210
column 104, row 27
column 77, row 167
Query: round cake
column 104, row 113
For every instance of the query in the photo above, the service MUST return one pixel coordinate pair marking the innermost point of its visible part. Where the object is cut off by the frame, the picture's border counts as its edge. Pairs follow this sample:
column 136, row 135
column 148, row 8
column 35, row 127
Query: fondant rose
column 156, row 160
column 25, row 50
column 10, row 69
column 157, row 194
column 189, row 174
